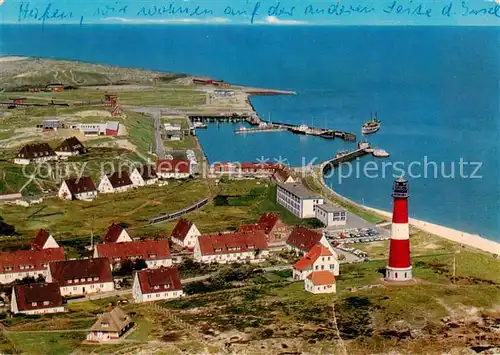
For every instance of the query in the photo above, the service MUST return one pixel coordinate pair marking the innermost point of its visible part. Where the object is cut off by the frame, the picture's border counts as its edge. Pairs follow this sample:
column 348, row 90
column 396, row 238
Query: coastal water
column 436, row 90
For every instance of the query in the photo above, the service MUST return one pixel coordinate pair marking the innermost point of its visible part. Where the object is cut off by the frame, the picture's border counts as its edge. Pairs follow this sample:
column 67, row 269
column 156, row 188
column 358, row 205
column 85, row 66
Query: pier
column 260, row 129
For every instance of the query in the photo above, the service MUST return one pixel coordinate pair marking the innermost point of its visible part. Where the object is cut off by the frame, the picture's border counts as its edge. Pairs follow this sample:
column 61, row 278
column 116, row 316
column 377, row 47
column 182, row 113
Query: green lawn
column 46, row 343
column 140, row 129
column 172, row 97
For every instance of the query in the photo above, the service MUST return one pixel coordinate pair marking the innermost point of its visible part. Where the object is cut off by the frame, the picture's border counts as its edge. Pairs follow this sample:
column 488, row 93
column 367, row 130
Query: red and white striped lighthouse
column 399, row 266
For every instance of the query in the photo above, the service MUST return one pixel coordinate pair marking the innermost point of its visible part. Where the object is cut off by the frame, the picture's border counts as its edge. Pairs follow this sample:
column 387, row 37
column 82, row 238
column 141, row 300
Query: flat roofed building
column 330, row 215
column 298, row 199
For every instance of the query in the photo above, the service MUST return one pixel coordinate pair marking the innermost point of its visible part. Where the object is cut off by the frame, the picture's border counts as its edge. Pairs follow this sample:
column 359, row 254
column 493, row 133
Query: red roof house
column 81, row 188
column 320, row 282
column 116, row 234
column 82, row 276
column 303, row 239
column 185, row 233
column 231, row 247
column 43, row 240
column 318, row 258
column 156, row 253
column 275, row 229
column 19, row 264
column 156, row 284
column 173, row 168
column 119, row 181
column 36, row 298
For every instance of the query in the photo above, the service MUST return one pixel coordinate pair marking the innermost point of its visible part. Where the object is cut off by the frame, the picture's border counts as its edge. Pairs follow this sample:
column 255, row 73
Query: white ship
column 371, row 126
column 380, row 153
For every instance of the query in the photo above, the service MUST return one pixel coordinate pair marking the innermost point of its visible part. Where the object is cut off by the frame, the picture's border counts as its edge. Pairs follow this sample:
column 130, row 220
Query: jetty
column 364, row 148
column 272, row 128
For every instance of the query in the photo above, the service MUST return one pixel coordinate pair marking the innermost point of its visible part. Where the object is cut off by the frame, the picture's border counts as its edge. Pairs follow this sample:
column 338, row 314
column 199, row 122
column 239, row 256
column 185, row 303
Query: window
column 75, row 288
column 396, row 275
column 46, row 303
column 70, row 281
column 96, row 278
column 33, row 304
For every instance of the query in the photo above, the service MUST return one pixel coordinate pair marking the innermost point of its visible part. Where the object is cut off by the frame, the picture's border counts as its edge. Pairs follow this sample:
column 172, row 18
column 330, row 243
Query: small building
column 116, row 234
column 112, row 128
column 185, row 233
column 320, row 282
column 17, row 265
column 70, row 147
column 55, row 87
column 110, row 99
column 330, row 215
column 17, row 100
column 317, row 259
column 81, row 276
column 35, row 153
column 173, row 135
column 156, row 284
column 50, row 125
column 116, row 111
column 38, row 298
column 283, row 176
column 172, row 127
column 173, row 169
column 144, row 175
column 277, row 232
column 297, row 199
column 43, row 240
column 237, row 247
column 156, row 253
column 82, row 188
column 119, row 181
column 248, row 169
column 110, row 326
column 303, row 239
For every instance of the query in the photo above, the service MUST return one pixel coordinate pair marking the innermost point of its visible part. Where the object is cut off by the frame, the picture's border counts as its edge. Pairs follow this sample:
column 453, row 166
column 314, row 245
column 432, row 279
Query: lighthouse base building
column 399, row 265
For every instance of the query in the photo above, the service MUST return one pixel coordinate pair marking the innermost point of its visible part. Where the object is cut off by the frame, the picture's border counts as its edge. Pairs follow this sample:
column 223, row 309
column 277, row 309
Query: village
column 123, row 238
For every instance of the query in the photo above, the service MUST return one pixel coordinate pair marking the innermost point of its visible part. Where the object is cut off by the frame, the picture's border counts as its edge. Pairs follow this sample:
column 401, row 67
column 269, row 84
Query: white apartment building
column 298, row 199
column 330, row 215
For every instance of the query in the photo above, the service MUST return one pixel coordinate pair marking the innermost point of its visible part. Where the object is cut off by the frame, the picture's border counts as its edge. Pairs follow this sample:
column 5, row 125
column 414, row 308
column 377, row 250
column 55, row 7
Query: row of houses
column 109, row 128
column 42, row 152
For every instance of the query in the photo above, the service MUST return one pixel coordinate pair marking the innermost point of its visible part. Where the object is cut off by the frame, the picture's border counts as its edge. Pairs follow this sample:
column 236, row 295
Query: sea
column 435, row 89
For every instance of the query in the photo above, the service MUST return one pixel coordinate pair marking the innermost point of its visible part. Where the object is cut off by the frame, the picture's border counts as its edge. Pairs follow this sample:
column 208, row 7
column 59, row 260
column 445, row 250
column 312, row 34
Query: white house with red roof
column 185, row 233
column 156, row 284
column 82, row 276
column 144, row 175
column 303, row 239
column 237, row 247
column 19, row 264
column 119, row 181
column 116, row 234
column 39, row 298
column 43, row 240
column 174, row 168
column 320, row 282
column 317, row 259
column 156, row 253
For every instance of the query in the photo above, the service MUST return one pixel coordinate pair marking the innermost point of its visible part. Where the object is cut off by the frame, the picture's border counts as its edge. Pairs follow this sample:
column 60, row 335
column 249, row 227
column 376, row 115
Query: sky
column 253, row 12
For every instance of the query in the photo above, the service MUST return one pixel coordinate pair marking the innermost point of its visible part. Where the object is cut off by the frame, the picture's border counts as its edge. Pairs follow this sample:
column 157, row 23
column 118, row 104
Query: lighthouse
column 399, row 266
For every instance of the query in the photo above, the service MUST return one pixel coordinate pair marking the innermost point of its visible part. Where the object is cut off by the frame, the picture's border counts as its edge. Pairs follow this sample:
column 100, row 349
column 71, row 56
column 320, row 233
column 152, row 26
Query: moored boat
column 371, row 126
column 302, row 129
column 380, row 153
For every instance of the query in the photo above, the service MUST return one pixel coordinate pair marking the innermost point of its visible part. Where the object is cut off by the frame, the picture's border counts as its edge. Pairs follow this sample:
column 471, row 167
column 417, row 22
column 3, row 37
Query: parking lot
column 341, row 238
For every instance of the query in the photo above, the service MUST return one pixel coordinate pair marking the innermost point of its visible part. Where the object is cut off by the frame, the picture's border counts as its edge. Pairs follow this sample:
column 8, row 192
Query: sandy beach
column 471, row 240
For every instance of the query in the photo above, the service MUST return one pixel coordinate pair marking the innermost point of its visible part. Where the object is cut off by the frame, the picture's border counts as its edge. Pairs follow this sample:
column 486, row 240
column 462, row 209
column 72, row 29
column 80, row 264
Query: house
column 56, row 87
column 173, row 169
column 298, row 199
column 276, row 230
column 188, row 155
column 303, row 239
column 35, row 153
column 81, row 276
column 38, row 298
column 320, row 282
column 43, row 240
column 17, row 100
column 247, row 169
column 173, row 135
column 156, row 253
column 70, row 147
column 283, row 176
column 144, row 175
column 116, row 234
column 317, row 259
column 110, row 325
column 17, row 265
column 119, row 181
column 231, row 247
column 82, row 188
column 110, row 99
column 156, row 284
column 112, row 128
column 330, row 215
column 185, row 233
column 116, row 111
column 50, row 125
column 172, row 127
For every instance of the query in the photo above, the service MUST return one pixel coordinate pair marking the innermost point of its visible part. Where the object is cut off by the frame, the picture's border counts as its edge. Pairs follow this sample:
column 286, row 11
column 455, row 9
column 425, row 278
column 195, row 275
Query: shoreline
column 468, row 239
